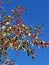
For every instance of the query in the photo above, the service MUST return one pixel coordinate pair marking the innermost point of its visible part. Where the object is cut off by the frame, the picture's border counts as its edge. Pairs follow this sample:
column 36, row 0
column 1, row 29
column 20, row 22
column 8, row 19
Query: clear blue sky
column 38, row 13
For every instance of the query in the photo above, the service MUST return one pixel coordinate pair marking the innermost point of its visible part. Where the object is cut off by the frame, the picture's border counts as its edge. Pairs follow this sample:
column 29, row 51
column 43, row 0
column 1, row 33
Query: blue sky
column 38, row 13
